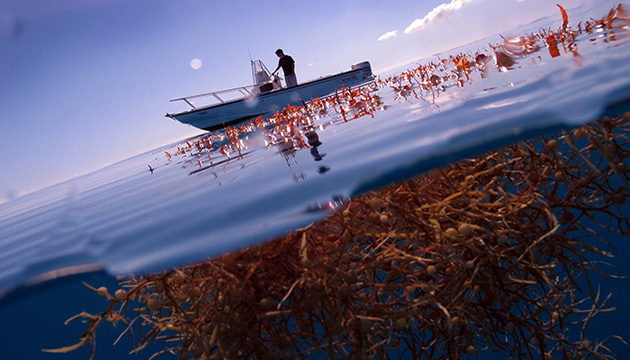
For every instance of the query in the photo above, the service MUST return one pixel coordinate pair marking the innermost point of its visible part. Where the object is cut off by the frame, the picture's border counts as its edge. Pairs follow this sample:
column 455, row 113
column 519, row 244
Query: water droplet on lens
column 195, row 64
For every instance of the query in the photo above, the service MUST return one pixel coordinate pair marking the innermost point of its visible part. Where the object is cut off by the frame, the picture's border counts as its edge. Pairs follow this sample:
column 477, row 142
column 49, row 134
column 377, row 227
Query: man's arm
column 274, row 72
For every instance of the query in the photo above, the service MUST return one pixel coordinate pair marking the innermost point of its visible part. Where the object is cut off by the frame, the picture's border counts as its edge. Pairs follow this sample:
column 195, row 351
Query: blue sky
column 86, row 83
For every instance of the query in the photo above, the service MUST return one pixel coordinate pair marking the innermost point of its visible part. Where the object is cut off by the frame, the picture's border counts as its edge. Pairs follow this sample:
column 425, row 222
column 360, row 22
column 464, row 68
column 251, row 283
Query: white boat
column 265, row 97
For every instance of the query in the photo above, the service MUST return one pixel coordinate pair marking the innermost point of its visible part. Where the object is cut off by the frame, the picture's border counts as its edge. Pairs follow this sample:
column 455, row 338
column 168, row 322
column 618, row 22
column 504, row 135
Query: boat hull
column 233, row 112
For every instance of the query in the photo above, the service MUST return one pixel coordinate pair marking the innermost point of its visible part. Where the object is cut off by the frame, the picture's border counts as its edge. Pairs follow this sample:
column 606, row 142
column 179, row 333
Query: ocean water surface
column 204, row 196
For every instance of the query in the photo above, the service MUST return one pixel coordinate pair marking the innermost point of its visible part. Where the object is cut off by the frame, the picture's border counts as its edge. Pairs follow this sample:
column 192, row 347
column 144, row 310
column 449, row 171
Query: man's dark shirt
column 286, row 62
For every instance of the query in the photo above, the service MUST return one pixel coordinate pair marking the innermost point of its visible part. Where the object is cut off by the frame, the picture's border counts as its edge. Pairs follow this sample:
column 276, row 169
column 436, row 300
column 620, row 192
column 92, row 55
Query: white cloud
column 388, row 35
column 437, row 13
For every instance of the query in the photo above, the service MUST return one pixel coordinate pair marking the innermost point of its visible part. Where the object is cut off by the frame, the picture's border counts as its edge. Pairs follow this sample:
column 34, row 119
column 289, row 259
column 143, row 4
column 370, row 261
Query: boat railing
column 219, row 97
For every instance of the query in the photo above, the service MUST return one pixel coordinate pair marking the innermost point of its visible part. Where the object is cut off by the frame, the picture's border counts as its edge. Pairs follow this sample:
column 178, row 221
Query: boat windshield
column 260, row 73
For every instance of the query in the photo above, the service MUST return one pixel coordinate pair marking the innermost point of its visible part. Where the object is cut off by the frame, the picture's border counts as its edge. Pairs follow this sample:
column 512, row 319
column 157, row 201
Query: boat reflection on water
column 288, row 148
column 288, row 153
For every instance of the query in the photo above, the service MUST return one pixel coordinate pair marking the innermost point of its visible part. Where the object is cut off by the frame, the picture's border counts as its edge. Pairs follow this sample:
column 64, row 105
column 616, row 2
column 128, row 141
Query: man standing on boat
column 288, row 67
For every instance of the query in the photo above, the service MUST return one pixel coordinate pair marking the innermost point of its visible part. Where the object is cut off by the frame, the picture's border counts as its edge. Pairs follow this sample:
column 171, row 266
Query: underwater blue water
column 155, row 211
